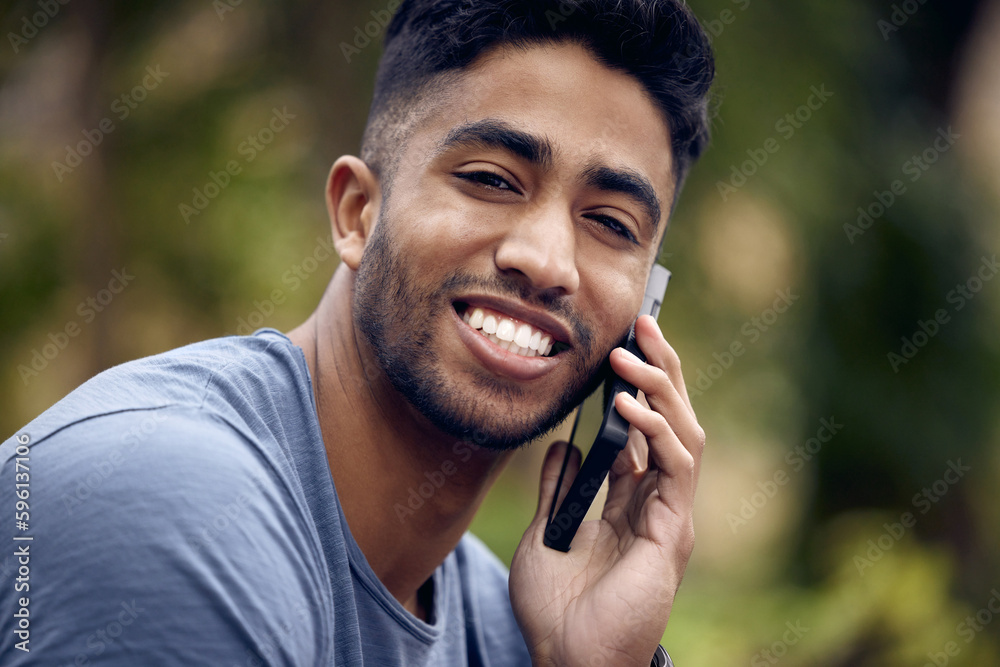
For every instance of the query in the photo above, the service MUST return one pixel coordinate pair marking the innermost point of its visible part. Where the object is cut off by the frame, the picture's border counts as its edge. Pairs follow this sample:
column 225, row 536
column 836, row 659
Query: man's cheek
column 617, row 322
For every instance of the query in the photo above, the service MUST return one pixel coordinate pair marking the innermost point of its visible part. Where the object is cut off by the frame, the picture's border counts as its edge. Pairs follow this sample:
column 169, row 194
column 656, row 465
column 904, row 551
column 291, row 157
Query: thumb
column 553, row 464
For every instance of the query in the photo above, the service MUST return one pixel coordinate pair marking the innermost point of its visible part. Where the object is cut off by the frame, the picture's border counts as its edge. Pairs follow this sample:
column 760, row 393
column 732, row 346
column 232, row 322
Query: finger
column 629, row 467
column 551, row 467
column 677, row 467
column 663, row 398
column 661, row 354
column 634, row 456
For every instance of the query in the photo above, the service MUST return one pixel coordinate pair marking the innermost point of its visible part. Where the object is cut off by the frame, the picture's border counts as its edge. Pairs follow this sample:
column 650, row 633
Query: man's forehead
column 563, row 83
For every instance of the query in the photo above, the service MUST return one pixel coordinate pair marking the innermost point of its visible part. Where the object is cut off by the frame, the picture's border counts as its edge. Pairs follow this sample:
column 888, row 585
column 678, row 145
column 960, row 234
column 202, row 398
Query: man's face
column 528, row 206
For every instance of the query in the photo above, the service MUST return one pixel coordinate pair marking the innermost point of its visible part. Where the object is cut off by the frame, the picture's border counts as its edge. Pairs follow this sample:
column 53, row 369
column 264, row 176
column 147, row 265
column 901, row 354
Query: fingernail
column 629, row 398
column 629, row 357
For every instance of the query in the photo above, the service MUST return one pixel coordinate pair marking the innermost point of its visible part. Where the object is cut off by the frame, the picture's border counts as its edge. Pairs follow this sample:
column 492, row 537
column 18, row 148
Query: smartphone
column 564, row 522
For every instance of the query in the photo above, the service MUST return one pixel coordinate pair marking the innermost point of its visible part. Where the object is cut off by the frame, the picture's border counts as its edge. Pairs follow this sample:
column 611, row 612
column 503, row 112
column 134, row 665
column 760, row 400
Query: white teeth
column 505, row 330
column 523, row 335
column 521, row 339
column 545, row 345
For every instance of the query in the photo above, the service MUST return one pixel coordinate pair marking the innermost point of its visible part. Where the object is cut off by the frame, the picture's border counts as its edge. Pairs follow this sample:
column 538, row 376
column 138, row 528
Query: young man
column 236, row 502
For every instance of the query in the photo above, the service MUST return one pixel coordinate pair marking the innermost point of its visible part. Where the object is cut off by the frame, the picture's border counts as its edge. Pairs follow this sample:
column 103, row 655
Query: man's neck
column 408, row 491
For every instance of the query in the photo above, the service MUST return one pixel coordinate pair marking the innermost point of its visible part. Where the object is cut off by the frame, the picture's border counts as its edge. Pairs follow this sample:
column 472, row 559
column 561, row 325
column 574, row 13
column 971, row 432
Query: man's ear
column 353, row 198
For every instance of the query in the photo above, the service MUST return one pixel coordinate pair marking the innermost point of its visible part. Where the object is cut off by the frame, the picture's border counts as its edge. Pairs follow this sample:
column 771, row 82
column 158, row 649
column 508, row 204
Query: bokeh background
column 847, row 512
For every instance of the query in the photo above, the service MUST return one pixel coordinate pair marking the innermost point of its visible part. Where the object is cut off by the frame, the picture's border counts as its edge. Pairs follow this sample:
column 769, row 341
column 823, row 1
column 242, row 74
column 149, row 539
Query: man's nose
column 542, row 247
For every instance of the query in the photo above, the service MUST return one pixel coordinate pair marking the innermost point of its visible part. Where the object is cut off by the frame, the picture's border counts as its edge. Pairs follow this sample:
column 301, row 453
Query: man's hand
column 607, row 601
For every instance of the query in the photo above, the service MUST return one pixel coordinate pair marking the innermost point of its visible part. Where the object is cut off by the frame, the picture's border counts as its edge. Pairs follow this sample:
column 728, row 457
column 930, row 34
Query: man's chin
column 493, row 433
column 501, row 423
column 502, row 439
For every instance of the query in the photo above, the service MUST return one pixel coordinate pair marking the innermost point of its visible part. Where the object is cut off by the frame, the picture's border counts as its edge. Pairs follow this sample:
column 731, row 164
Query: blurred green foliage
column 808, row 539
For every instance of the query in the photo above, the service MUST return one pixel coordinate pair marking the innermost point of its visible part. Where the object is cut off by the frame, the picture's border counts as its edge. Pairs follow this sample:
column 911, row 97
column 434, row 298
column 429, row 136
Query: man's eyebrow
column 497, row 134
column 629, row 183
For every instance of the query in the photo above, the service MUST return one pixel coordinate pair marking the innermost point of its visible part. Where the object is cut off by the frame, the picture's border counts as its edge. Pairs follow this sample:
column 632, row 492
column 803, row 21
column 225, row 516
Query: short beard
column 395, row 318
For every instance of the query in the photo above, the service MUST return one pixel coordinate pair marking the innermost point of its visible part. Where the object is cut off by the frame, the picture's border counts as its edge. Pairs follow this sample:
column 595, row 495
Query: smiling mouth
column 509, row 333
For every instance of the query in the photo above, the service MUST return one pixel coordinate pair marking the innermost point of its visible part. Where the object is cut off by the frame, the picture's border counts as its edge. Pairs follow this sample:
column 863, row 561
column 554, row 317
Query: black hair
column 659, row 42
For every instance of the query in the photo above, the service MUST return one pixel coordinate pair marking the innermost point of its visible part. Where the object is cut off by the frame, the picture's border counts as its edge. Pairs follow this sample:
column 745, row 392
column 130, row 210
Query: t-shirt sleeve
column 159, row 537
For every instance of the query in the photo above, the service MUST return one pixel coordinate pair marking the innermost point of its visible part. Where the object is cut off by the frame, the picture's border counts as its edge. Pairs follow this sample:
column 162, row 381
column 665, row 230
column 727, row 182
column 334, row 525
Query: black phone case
column 611, row 438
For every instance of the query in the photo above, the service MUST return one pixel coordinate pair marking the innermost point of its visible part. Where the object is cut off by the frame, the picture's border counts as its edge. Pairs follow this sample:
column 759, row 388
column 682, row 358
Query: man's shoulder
column 161, row 500
column 140, row 450
column 230, row 377
column 184, row 522
column 212, row 418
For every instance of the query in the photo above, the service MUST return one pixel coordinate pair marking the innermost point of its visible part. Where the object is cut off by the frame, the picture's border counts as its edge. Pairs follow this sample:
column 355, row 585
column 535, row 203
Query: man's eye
column 488, row 179
column 615, row 227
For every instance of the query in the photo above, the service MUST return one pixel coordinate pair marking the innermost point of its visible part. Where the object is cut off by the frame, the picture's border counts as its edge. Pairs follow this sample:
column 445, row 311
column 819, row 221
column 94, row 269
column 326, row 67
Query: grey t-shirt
column 180, row 510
